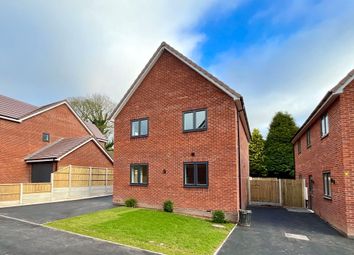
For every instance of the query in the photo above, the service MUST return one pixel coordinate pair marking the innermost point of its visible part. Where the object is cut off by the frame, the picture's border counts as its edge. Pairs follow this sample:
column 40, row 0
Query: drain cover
column 295, row 236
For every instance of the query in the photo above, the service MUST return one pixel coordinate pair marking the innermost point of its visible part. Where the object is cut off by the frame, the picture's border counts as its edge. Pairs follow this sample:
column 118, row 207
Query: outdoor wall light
column 333, row 181
column 164, row 171
column 192, row 154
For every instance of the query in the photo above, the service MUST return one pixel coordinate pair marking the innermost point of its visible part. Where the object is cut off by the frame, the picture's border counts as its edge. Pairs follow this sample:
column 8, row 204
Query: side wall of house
column 347, row 109
column 21, row 139
column 325, row 154
column 87, row 155
column 169, row 89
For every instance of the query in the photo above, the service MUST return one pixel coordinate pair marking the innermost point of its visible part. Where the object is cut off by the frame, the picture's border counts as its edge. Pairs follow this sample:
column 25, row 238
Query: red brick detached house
column 181, row 134
column 38, row 140
column 324, row 156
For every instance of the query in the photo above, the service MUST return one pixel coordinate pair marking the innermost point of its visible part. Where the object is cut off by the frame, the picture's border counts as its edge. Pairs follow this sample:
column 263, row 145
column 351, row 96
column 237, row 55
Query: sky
column 281, row 55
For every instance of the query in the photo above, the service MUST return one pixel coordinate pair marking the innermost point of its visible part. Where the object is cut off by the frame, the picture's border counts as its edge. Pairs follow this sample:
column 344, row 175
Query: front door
column 41, row 172
column 310, row 192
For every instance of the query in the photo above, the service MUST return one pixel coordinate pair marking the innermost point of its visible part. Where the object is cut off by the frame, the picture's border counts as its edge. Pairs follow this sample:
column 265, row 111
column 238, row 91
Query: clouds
column 293, row 72
column 50, row 50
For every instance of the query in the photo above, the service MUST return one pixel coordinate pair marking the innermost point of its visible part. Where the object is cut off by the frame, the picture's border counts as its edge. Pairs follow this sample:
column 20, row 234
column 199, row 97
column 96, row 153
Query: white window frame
column 324, row 125
column 327, row 189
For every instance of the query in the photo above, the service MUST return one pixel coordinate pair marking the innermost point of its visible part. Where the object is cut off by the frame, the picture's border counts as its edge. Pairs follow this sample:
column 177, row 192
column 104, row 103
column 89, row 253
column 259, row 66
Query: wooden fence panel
column 9, row 192
column 265, row 190
column 293, row 193
column 29, row 188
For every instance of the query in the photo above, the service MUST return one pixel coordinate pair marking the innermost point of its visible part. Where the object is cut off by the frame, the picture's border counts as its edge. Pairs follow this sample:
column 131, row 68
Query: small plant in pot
column 131, row 202
column 168, row 206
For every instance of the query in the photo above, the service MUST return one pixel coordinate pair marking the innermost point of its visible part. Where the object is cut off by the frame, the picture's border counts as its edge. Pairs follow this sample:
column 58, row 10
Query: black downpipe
column 239, row 157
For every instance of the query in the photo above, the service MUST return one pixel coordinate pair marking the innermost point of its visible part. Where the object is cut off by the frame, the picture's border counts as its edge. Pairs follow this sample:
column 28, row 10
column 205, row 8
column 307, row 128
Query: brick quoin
column 170, row 88
column 334, row 153
column 18, row 140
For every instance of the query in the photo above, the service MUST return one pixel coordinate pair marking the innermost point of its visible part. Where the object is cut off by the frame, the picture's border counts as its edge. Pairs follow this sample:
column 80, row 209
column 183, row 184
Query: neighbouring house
column 35, row 141
column 324, row 156
column 181, row 134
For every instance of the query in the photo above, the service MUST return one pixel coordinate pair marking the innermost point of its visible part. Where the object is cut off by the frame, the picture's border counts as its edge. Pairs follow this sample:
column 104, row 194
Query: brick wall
column 170, row 88
column 87, row 155
column 347, row 109
column 333, row 153
column 21, row 139
column 244, row 166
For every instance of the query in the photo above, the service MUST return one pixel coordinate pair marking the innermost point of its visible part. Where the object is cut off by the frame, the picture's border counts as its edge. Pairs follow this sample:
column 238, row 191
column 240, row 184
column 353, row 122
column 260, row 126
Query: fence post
column 90, row 181
column 280, row 193
column 52, row 186
column 106, row 180
column 69, row 180
column 303, row 193
column 21, row 193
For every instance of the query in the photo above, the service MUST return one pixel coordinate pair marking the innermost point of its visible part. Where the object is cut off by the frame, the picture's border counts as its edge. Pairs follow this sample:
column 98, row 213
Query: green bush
column 218, row 216
column 168, row 206
column 131, row 202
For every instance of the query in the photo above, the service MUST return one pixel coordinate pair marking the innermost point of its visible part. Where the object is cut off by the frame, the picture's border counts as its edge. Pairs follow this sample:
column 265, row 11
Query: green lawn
column 159, row 231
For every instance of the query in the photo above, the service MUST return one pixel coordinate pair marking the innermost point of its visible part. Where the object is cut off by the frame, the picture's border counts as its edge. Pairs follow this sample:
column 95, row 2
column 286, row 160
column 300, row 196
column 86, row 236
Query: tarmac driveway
column 21, row 231
column 267, row 235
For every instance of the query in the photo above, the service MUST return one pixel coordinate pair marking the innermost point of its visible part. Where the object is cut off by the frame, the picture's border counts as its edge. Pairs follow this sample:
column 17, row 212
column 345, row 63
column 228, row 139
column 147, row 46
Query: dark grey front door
column 41, row 172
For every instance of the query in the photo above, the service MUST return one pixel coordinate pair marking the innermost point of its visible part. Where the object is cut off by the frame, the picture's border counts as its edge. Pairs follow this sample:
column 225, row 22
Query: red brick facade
column 18, row 140
column 334, row 153
column 87, row 155
column 170, row 88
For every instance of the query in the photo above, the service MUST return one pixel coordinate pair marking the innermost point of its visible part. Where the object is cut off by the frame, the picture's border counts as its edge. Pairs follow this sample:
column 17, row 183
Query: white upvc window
column 324, row 125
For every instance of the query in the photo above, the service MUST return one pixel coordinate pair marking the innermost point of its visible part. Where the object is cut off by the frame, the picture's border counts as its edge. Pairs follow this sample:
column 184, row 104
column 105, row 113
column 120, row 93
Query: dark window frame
column 196, row 185
column 147, row 172
column 139, row 128
column 45, row 135
column 324, row 125
column 194, row 111
column 308, row 138
column 326, row 178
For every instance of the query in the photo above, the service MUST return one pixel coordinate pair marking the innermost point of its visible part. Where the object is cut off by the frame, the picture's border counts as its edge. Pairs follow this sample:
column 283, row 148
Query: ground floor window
column 138, row 174
column 327, row 184
column 196, row 174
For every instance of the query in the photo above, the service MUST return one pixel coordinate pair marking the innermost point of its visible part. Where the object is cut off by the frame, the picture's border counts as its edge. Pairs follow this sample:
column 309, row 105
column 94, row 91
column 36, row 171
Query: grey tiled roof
column 96, row 132
column 13, row 108
column 57, row 149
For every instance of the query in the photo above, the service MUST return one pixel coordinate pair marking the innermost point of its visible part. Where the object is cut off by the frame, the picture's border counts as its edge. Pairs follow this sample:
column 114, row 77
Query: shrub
column 168, row 206
column 218, row 216
column 130, row 202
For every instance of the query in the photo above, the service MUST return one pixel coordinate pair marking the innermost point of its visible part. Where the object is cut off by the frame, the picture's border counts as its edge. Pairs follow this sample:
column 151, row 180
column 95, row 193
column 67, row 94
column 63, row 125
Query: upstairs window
column 140, row 127
column 196, row 174
column 308, row 138
column 327, row 192
column 46, row 137
column 139, row 174
column 195, row 120
column 324, row 125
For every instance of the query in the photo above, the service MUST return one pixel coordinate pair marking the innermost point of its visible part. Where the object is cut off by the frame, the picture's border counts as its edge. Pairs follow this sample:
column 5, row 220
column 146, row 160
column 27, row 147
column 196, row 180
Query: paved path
column 267, row 235
column 21, row 232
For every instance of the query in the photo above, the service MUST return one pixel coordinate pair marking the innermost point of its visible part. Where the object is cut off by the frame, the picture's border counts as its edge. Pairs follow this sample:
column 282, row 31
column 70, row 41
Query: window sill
column 195, row 130
column 327, row 198
column 138, row 185
column 196, row 186
column 324, row 136
column 140, row 136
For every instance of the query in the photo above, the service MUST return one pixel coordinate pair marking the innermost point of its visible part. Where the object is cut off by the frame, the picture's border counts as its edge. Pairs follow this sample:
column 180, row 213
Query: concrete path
column 267, row 235
column 21, row 232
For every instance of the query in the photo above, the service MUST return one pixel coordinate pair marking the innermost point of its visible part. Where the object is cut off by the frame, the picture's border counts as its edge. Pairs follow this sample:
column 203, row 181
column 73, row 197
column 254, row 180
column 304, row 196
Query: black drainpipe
column 239, row 157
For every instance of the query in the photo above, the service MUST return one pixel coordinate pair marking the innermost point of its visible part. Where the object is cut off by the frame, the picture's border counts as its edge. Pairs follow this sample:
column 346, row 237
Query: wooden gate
column 277, row 192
